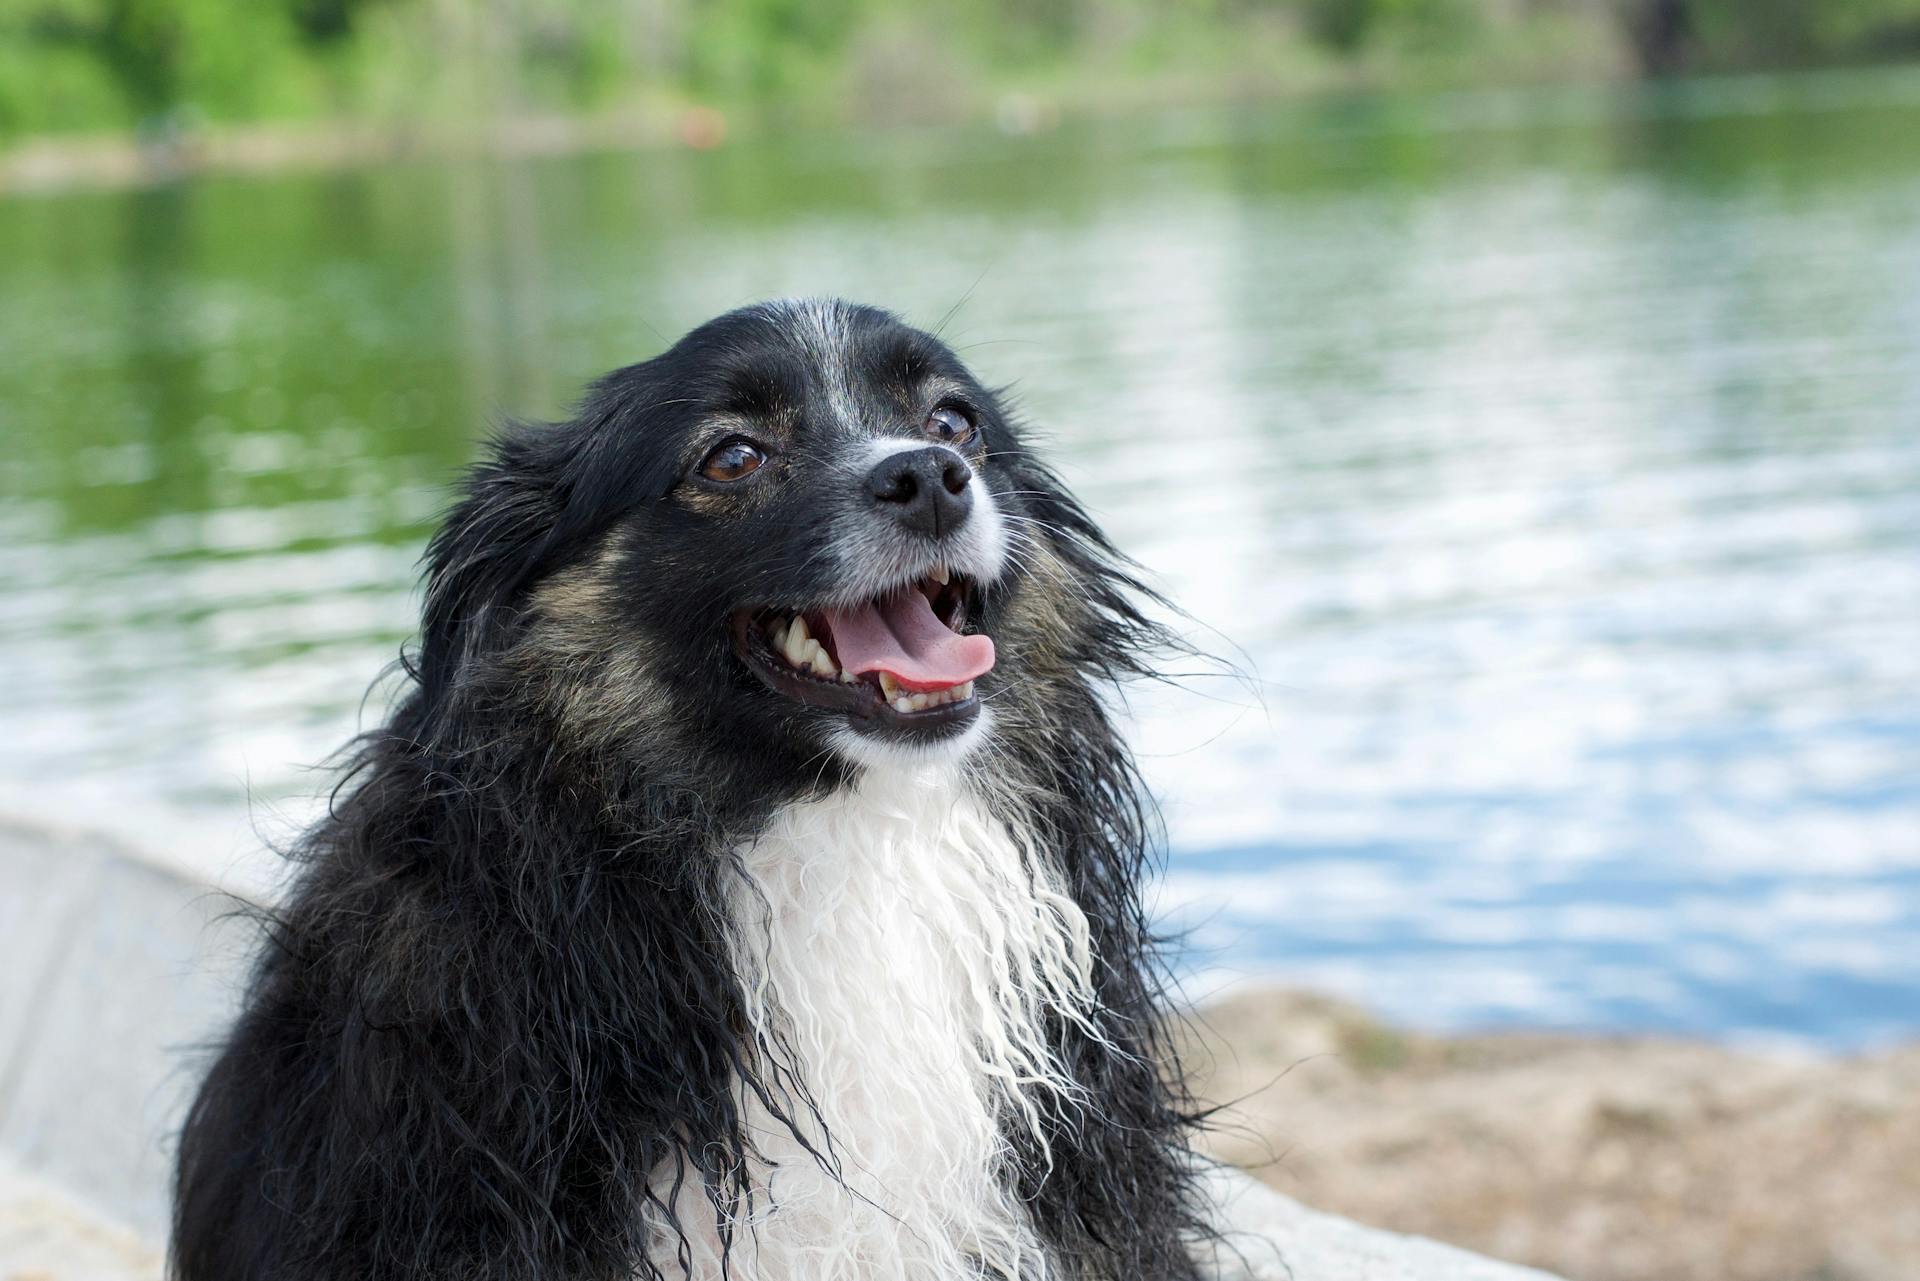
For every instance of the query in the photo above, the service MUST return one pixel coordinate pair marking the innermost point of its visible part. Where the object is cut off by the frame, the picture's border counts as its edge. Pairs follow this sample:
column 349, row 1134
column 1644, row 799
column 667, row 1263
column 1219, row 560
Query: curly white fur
column 900, row 948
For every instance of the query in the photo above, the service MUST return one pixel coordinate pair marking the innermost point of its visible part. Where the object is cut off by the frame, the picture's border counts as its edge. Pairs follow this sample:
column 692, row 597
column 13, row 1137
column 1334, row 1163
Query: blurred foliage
column 1349, row 26
column 170, row 64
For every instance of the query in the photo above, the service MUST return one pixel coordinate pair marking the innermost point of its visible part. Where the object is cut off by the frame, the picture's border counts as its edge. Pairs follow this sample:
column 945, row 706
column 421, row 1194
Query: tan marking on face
column 593, row 677
column 1039, row 624
column 719, row 504
column 1035, row 635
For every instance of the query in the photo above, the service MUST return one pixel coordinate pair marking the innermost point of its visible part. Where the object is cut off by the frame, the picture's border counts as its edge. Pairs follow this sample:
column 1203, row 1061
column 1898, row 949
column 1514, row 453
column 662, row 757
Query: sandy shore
column 115, row 160
column 1602, row 1160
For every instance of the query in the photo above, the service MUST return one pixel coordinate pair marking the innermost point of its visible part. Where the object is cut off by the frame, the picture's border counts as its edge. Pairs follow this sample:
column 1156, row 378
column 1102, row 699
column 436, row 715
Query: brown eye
column 949, row 426
column 733, row 461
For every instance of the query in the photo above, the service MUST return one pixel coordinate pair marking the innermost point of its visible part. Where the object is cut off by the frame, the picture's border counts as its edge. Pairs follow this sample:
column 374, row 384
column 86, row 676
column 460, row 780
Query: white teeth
column 790, row 638
column 940, row 574
column 904, row 700
column 798, row 643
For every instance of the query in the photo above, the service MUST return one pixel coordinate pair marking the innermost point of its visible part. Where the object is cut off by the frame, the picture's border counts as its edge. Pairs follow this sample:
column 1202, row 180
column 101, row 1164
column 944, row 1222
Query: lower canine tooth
column 902, row 704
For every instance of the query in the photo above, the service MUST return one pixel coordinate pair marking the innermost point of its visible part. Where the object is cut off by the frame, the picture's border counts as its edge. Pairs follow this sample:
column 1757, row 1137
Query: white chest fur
column 900, row 948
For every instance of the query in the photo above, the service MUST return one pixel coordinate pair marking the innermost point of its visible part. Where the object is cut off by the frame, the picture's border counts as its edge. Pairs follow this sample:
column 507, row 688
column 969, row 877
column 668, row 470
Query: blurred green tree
column 74, row 64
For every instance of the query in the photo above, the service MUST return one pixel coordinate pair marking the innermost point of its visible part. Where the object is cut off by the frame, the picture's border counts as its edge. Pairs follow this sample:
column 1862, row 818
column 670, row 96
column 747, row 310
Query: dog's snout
column 926, row 490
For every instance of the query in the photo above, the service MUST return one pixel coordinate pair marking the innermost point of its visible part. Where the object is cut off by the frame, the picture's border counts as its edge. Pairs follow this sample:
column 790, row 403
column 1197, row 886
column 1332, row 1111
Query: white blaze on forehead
column 820, row 325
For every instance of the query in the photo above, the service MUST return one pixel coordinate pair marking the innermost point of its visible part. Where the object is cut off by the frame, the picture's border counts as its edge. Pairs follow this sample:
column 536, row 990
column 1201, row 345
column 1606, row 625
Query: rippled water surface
column 1552, row 462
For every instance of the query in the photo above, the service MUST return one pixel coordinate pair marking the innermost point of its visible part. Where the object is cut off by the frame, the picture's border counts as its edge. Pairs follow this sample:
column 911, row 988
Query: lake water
column 1551, row 462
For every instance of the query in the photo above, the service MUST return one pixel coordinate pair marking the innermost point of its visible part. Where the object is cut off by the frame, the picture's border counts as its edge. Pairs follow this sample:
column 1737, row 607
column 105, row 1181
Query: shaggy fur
column 611, row 961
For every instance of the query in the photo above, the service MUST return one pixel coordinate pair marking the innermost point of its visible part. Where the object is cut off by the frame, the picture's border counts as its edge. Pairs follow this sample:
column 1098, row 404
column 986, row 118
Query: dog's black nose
column 924, row 489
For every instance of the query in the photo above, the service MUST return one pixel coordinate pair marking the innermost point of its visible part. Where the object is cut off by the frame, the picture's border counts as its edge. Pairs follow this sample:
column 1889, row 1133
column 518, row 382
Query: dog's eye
column 733, row 460
column 949, row 426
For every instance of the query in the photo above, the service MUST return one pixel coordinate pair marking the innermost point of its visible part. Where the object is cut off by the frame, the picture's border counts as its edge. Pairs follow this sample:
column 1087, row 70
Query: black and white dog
column 748, row 883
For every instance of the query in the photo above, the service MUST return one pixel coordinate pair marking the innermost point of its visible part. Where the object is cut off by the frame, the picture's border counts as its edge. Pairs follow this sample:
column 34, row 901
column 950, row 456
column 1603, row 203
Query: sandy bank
column 1603, row 1160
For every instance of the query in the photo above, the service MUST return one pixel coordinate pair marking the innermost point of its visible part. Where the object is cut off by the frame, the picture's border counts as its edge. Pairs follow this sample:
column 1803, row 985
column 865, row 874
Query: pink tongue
column 902, row 635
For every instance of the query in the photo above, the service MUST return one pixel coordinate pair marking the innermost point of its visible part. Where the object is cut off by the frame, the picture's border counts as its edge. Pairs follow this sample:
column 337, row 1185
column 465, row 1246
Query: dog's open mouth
column 900, row 661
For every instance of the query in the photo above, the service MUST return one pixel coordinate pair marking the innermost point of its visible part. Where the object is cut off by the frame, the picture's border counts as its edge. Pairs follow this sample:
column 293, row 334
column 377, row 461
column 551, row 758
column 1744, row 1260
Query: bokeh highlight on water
column 1548, row 462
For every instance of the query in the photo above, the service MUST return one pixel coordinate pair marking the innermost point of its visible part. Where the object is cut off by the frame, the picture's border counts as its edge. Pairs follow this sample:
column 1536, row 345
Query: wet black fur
column 494, row 1012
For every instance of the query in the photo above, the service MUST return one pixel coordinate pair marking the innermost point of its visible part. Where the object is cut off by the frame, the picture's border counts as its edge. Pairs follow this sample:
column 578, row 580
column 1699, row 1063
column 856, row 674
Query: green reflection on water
column 265, row 369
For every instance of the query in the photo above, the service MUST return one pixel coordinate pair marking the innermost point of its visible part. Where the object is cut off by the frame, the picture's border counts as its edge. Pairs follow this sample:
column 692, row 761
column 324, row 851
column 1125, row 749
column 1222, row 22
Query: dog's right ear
column 541, row 493
column 495, row 541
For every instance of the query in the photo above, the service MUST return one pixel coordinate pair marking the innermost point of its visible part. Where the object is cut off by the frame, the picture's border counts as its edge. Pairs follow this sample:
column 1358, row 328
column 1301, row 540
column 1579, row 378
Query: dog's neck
column 901, row 950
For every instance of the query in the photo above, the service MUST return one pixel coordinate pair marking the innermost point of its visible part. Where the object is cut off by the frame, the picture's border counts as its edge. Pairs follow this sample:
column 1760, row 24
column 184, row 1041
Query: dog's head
column 805, row 527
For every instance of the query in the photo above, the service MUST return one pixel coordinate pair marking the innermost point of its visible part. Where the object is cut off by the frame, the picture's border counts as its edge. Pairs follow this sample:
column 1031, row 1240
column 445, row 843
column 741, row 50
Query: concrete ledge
column 1269, row 1237
column 48, row 1235
column 118, row 966
column 116, row 969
